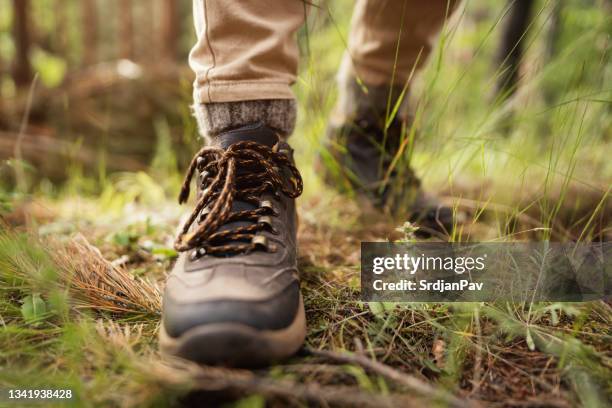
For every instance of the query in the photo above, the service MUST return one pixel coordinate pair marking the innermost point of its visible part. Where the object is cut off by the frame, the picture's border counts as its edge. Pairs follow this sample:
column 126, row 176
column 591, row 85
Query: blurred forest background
column 111, row 76
column 113, row 88
column 513, row 125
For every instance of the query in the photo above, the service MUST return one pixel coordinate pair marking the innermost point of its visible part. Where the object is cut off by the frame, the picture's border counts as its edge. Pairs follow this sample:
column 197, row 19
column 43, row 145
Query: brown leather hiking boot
column 233, row 296
column 362, row 157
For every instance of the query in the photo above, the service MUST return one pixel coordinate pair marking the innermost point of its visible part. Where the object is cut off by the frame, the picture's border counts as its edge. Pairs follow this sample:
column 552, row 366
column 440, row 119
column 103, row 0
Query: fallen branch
column 404, row 379
column 211, row 379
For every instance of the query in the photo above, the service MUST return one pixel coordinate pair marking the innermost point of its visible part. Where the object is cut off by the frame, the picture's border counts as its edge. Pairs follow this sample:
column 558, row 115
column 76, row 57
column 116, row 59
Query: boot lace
column 244, row 171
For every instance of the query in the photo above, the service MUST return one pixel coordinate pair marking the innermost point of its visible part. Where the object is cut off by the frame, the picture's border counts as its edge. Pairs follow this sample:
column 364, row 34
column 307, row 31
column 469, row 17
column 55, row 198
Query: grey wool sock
column 214, row 118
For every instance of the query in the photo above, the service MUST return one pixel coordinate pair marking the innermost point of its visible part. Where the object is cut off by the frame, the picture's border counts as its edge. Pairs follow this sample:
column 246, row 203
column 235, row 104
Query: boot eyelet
column 266, row 221
column 203, row 177
column 197, row 254
column 260, row 241
column 267, row 204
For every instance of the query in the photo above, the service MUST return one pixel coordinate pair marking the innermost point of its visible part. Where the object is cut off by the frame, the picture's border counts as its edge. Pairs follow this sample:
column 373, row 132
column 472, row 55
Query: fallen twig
column 404, row 379
column 205, row 378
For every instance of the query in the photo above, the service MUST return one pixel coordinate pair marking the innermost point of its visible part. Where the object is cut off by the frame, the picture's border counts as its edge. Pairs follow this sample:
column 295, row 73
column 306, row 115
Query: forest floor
column 81, row 288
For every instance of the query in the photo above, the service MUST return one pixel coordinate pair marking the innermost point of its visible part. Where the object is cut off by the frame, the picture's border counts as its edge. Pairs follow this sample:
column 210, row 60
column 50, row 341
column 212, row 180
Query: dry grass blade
column 124, row 336
column 96, row 283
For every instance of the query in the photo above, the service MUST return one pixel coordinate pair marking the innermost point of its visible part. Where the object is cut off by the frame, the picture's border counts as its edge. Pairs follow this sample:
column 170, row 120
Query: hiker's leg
column 245, row 61
column 388, row 39
column 233, row 296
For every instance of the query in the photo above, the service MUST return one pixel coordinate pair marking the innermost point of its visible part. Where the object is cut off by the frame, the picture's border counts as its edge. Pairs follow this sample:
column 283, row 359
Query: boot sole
column 236, row 344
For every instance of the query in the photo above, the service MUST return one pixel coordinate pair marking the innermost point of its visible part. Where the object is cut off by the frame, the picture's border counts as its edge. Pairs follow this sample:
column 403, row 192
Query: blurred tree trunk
column 22, row 70
column 126, row 30
column 510, row 53
column 60, row 38
column 90, row 31
column 169, row 29
column 146, row 46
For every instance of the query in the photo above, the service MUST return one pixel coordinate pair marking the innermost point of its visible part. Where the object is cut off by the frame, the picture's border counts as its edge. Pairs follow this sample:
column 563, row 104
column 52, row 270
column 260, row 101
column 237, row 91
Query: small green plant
column 409, row 231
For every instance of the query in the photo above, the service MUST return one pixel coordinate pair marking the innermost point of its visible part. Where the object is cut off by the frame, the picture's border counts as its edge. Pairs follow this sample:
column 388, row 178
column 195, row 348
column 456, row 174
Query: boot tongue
column 255, row 132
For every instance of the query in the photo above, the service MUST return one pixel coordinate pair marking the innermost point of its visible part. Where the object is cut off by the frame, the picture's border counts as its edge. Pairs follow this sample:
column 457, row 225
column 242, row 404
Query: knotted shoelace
column 244, row 171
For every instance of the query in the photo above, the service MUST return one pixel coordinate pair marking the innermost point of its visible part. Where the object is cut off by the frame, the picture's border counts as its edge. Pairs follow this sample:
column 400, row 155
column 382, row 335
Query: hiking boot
column 233, row 297
column 363, row 159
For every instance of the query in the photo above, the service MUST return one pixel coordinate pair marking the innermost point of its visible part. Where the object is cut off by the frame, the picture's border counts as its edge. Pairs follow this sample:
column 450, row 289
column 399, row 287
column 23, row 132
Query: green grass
column 530, row 168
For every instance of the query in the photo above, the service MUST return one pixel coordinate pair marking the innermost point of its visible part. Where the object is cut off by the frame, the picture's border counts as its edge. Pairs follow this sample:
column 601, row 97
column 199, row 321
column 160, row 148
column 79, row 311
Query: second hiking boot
column 362, row 158
column 233, row 297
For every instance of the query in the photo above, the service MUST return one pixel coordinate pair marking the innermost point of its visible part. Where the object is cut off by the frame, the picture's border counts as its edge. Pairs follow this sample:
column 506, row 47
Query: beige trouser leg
column 245, row 61
column 246, row 49
column 387, row 37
